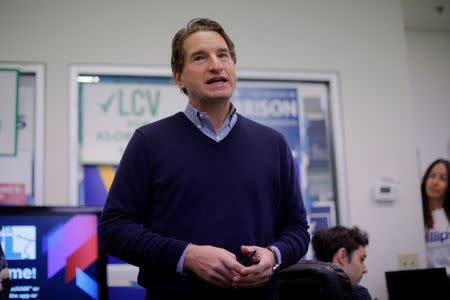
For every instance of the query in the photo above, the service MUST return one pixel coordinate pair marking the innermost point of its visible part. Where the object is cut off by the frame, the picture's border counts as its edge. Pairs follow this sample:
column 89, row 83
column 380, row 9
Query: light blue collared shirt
column 202, row 122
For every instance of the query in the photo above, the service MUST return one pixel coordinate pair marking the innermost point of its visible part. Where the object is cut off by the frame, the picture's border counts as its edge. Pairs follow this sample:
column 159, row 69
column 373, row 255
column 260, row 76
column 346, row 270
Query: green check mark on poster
column 107, row 104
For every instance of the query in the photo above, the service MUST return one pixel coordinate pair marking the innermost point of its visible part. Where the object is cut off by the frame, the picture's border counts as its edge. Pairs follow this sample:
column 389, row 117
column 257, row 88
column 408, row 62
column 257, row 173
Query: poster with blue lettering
column 112, row 109
column 318, row 148
column 322, row 215
column 273, row 107
column 277, row 105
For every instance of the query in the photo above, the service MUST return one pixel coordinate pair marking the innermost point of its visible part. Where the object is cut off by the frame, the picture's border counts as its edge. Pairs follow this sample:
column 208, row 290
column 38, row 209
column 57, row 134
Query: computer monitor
column 53, row 253
column 430, row 283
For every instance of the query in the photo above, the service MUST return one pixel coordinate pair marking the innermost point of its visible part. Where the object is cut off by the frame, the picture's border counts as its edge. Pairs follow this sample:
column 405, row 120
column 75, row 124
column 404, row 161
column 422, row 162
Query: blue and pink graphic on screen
column 73, row 254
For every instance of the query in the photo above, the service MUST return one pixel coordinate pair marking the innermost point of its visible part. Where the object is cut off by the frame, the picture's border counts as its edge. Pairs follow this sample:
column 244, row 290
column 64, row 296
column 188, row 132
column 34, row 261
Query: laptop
column 432, row 283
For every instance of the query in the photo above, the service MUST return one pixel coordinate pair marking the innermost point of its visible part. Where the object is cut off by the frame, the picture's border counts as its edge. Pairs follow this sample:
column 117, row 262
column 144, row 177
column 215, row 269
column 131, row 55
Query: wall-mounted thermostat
column 386, row 190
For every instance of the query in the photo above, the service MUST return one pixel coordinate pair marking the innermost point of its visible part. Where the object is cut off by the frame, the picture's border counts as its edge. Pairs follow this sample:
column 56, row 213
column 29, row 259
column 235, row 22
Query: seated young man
column 346, row 248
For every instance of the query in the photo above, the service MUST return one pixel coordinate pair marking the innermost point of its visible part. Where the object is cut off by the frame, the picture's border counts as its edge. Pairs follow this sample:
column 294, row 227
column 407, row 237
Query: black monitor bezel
column 411, row 283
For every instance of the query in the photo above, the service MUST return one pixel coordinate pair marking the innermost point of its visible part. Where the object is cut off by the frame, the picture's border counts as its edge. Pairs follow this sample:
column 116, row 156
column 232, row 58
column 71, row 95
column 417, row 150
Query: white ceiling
column 427, row 14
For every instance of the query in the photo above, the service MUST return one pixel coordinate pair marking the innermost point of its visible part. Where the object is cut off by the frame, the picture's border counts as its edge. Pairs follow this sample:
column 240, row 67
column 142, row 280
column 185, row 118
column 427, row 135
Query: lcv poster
column 111, row 111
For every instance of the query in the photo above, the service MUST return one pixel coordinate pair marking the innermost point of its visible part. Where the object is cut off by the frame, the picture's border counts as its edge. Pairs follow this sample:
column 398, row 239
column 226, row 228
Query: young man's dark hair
column 327, row 242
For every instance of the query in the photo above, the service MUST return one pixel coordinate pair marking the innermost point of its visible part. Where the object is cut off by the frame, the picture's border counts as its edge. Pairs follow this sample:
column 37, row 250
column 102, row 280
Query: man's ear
column 340, row 257
column 179, row 80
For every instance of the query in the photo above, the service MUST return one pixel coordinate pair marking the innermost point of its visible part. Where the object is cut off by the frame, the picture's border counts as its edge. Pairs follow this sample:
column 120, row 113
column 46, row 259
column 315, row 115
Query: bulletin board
column 22, row 174
column 9, row 93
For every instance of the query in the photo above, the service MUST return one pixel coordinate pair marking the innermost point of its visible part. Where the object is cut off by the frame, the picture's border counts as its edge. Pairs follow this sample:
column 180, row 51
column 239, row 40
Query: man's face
column 208, row 74
column 355, row 267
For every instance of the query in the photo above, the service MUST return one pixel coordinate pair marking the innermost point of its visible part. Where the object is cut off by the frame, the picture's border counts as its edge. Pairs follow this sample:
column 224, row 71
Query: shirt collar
column 193, row 114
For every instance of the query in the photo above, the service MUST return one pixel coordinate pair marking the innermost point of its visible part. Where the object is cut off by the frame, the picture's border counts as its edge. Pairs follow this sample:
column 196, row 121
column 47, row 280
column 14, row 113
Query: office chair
column 310, row 279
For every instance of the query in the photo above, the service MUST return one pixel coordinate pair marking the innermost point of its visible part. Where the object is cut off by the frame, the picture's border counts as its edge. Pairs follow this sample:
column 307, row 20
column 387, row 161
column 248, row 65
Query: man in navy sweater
column 197, row 192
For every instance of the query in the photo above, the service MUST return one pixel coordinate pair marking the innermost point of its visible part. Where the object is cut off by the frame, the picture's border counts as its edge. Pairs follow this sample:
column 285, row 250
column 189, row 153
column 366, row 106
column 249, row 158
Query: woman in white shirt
column 435, row 190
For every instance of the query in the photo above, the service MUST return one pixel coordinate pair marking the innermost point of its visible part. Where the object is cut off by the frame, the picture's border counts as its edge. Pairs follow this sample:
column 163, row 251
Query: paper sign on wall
column 112, row 111
column 9, row 84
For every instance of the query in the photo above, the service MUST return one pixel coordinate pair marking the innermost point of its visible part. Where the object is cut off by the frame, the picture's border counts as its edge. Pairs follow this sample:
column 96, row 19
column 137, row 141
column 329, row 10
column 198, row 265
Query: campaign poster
column 277, row 105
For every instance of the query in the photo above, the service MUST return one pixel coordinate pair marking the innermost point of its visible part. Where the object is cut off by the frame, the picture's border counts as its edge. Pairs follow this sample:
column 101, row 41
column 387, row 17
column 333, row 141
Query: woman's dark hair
column 428, row 219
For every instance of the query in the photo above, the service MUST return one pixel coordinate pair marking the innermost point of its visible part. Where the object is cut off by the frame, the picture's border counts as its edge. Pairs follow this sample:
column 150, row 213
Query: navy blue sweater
column 175, row 186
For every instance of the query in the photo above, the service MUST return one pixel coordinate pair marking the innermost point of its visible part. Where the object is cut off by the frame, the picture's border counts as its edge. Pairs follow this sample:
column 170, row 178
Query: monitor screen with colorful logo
column 53, row 253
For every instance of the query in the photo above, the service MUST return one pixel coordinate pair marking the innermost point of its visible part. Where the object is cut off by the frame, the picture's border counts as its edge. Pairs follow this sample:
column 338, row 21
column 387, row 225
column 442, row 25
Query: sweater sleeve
column 121, row 231
column 292, row 236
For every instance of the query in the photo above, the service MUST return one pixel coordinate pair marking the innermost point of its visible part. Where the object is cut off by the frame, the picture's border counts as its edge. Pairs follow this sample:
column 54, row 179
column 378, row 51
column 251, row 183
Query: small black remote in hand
column 249, row 259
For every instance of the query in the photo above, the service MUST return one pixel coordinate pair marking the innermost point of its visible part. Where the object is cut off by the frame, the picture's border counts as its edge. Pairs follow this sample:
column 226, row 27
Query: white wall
column 429, row 72
column 363, row 41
